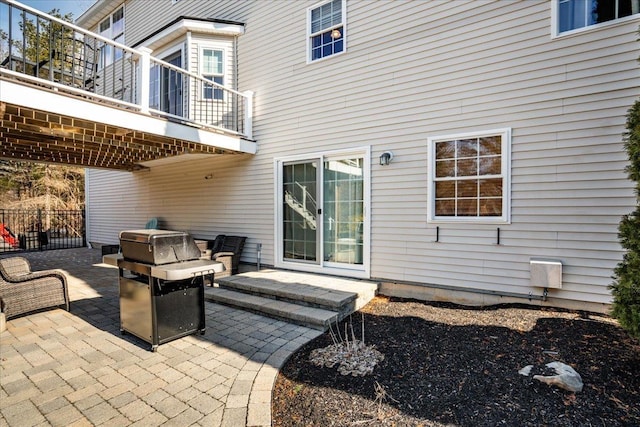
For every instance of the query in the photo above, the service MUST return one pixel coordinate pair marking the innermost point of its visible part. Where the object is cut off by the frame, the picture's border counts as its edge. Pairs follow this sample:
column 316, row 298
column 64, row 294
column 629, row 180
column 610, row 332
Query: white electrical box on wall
column 546, row 273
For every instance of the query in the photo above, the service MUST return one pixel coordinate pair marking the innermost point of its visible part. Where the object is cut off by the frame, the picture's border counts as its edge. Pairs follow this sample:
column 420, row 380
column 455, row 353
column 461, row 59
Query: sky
column 77, row 7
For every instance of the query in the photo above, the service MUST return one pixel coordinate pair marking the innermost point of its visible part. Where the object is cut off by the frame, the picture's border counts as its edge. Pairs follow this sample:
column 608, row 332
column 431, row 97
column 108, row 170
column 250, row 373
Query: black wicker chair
column 227, row 250
column 23, row 291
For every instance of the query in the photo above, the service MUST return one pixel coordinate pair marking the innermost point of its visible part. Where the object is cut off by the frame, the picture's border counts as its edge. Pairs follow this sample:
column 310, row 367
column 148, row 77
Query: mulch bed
column 452, row 365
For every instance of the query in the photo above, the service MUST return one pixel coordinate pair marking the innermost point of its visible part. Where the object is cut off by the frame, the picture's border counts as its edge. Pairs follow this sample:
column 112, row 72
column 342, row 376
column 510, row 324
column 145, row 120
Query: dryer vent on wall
column 546, row 273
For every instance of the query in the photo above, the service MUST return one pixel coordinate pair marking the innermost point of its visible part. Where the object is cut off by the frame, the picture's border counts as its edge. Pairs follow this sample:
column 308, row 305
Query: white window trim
column 110, row 36
column 555, row 10
column 344, row 32
column 178, row 46
column 505, row 172
column 203, row 74
column 362, row 271
column 109, row 17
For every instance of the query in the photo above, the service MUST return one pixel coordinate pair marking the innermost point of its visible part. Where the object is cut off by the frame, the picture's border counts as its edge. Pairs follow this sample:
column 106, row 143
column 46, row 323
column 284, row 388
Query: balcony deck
column 64, row 104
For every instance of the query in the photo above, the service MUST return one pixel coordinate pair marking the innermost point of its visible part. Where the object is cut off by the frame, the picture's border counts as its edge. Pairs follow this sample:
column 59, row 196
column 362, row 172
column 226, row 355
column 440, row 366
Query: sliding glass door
column 171, row 87
column 343, row 210
column 321, row 218
column 165, row 84
column 300, row 211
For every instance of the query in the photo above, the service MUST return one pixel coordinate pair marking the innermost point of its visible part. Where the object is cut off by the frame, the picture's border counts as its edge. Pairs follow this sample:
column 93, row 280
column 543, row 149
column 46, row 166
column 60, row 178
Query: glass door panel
column 171, row 84
column 343, row 211
column 300, row 211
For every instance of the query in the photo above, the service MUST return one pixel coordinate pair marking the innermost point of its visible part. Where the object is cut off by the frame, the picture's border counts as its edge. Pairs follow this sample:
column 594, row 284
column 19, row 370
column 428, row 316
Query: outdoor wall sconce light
column 385, row 158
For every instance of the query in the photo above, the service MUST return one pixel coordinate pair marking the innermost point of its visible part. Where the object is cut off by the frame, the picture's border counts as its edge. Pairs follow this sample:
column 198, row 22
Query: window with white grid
column 326, row 29
column 469, row 177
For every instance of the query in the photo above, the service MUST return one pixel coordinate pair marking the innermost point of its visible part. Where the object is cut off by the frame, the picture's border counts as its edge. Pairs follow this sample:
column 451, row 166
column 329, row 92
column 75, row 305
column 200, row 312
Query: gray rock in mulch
column 566, row 377
column 526, row 370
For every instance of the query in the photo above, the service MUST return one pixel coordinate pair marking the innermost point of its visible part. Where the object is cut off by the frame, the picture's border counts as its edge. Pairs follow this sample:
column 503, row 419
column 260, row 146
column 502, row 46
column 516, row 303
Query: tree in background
column 626, row 286
column 47, row 49
column 40, row 186
column 44, row 48
column 44, row 194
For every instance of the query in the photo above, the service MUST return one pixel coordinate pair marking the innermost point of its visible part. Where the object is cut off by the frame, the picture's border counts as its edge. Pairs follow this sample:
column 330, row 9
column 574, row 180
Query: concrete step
column 345, row 295
column 316, row 300
column 299, row 293
column 313, row 317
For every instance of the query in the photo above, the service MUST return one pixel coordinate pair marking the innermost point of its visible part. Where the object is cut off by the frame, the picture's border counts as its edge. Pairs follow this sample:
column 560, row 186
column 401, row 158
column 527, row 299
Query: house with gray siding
column 466, row 151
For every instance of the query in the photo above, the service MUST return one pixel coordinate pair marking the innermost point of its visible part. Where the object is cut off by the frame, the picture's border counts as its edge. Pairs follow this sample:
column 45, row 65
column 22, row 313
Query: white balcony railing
column 41, row 49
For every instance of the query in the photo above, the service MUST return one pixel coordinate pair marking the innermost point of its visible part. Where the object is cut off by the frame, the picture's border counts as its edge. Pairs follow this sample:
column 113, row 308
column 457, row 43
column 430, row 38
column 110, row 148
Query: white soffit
column 97, row 12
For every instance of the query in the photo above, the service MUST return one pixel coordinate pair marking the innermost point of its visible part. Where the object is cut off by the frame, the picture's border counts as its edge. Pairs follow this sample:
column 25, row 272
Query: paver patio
column 76, row 368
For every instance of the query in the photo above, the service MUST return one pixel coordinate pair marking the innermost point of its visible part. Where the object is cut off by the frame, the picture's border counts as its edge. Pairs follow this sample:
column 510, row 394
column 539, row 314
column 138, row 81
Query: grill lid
column 158, row 246
column 149, row 235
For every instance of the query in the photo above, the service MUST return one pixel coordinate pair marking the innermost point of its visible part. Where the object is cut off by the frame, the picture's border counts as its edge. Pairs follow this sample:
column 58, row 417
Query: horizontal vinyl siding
column 530, row 102
column 143, row 20
column 115, row 202
column 182, row 199
column 414, row 70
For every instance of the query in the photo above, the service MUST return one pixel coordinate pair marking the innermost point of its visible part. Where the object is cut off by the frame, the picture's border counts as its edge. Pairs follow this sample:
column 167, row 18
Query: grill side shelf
column 186, row 269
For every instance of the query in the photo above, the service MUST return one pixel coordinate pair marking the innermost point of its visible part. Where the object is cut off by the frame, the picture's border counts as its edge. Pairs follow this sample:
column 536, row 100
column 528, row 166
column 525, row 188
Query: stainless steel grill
column 161, row 279
column 158, row 246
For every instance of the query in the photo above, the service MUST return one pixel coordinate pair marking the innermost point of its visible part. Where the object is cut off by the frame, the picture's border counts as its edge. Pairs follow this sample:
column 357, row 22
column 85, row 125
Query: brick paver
column 75, row 368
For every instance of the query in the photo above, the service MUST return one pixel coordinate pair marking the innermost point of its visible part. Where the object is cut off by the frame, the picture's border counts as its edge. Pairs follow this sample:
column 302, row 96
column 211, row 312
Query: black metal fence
column 38, row 230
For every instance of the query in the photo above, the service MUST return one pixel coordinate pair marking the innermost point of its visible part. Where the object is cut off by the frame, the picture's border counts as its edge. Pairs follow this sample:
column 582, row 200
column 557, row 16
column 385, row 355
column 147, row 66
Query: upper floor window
column 326, row 25
column 112, row 27
column 469, row 177
column 212, row 69
column 574, row 14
